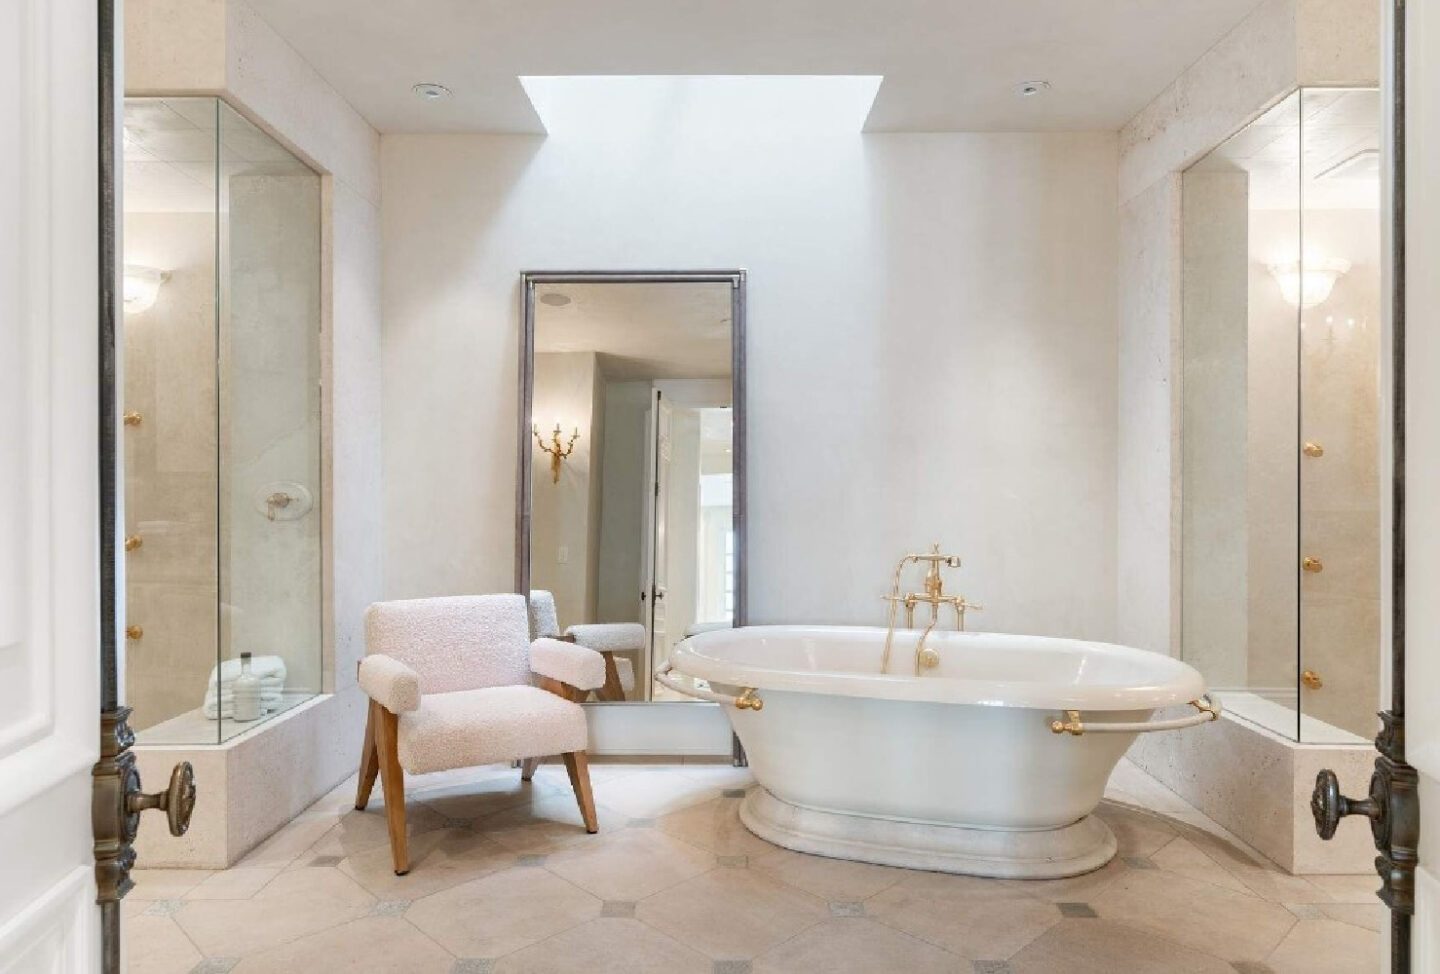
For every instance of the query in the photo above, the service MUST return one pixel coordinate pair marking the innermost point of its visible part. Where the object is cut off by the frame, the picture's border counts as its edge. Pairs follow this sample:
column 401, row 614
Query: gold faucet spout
column 934, row 596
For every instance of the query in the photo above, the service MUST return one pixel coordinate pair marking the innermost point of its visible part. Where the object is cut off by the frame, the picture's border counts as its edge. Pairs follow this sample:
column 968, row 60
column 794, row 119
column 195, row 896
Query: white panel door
column 1422, row 543
column 655, row 484
column 49, row 494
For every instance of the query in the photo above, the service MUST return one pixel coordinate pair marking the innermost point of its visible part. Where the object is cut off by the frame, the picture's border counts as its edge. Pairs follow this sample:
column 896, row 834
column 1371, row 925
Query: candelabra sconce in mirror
column 557, row 452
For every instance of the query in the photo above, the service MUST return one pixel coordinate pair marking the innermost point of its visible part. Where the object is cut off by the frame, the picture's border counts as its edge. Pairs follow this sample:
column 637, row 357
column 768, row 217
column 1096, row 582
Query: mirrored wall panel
column 632, row 542
column 1281, row 417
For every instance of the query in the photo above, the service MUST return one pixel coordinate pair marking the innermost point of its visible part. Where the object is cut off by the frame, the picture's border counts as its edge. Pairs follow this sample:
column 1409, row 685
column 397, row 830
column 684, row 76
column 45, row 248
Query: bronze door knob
column 177, row 801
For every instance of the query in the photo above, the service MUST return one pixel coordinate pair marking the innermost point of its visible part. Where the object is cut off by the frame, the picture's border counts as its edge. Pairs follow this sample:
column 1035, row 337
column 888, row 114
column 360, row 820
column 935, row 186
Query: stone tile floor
column 504, row 880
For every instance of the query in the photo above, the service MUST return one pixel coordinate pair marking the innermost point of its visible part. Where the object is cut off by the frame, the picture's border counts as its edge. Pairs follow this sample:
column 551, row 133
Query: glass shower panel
column 171, row 449
column 1339, row 370
column 1240, row 235
column 1280, row 562
column 269, row 367
column 222, row 403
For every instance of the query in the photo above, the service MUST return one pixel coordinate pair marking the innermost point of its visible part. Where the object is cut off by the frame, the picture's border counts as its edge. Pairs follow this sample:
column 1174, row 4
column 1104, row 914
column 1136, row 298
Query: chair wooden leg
column 579, row 770
column 611, row 691
column 369, row 760
column 392, row 783
column 527, row 768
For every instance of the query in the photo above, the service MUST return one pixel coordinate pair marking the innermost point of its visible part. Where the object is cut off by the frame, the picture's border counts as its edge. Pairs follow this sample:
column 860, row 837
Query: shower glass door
column 221, row 500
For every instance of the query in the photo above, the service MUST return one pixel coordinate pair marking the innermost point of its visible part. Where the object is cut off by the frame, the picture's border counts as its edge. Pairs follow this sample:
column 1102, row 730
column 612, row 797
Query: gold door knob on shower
column 1312, row 680
column 1314, row 450
column 133, row 418
column 1312, row 564
column 133, row 541
column 134, row 632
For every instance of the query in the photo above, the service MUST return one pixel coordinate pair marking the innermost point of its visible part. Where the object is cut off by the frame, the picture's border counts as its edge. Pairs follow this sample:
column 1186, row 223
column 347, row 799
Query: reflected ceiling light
column 1305, row 286
column 141, row 287
column 1029, row 89
column 430, row 91
column 555, row 299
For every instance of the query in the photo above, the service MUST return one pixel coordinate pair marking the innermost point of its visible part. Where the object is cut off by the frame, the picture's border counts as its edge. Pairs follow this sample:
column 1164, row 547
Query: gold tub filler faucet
column 934, row 596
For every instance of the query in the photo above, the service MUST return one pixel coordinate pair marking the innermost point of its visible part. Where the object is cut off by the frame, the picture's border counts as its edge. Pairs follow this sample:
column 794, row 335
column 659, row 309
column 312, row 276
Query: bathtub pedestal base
column 1041, row 854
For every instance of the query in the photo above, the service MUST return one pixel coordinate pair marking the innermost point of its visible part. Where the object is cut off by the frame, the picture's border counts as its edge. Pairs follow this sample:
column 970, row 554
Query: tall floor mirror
column 631, row 492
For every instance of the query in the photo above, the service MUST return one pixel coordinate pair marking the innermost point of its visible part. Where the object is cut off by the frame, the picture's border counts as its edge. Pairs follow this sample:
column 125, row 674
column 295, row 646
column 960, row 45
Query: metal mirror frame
column 528, row 282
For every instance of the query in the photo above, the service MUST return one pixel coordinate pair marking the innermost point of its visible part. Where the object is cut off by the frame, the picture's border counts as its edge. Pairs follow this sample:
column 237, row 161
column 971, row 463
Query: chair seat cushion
column 470, row 727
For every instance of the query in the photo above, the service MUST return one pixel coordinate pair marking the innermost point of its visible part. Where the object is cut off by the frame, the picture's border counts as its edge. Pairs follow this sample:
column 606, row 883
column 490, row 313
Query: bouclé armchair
column 449, row 681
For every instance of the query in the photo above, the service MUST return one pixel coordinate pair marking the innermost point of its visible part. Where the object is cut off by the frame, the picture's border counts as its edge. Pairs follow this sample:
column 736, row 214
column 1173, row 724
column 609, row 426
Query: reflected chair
column 449, row 687
column 606, row 638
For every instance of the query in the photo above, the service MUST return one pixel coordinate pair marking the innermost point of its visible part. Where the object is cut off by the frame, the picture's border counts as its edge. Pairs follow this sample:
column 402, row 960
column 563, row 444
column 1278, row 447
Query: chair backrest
column 544, row 621
column 459, row 642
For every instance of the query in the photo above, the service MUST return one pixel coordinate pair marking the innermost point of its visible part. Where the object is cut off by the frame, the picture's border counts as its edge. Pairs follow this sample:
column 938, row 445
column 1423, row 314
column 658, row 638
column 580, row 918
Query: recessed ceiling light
column 555, row 299
column 430, row 91
column 1028, row 89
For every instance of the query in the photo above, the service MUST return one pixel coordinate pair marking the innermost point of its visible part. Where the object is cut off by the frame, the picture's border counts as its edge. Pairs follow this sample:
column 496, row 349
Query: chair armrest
column 390, row 683
column 582, row 668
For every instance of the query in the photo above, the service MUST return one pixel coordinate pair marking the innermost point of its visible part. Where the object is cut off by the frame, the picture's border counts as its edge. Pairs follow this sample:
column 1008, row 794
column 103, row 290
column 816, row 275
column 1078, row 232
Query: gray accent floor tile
column 642, row 823
column 992, row 967
column 215, row 965
column 163, row 908
column 731, row 967
column 1138, row 862
column 839, row 908
column 391, row 908
column 529, row 860
column 617, row 908
column 1251, row 967
column 324, row 861
column 733, row 862
column 1076, row 910
column 733, row 793
column 474, row 965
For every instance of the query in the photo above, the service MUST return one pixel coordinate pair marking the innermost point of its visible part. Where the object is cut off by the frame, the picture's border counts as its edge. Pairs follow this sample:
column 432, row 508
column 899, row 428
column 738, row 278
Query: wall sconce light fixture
column 557, row 452
column 142, row 287
column 1304, row 285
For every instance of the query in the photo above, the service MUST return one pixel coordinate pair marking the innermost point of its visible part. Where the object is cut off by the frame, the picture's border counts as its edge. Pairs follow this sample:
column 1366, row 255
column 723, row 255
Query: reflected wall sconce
column 142, row 287
column 1304, row 285
column 557, row 452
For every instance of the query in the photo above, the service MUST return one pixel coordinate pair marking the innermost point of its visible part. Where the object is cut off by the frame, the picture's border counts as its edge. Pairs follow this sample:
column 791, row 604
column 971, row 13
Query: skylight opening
column 750, row 103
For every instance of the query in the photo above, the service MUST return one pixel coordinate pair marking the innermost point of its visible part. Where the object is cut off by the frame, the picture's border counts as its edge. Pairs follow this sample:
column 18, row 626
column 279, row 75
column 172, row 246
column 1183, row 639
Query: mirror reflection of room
column 632, row 532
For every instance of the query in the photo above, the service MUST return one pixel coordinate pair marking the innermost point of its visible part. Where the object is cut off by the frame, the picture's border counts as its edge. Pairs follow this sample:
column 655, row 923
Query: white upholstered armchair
column 449, row 681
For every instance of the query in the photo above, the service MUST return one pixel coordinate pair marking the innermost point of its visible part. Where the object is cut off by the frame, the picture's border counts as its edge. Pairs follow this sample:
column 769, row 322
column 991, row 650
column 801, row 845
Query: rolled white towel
column 269, row 704
column 618, row 637
column 269, row 687
column 270, row 670
column 272, row 667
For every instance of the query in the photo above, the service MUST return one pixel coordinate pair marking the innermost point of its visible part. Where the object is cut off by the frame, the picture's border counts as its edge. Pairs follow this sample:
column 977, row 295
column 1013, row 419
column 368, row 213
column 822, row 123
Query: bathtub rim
column 1176, row 682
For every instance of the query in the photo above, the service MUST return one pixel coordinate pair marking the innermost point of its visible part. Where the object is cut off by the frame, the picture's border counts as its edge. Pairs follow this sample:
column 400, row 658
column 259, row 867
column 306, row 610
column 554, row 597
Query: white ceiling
column 949, row 65
column 641, row 331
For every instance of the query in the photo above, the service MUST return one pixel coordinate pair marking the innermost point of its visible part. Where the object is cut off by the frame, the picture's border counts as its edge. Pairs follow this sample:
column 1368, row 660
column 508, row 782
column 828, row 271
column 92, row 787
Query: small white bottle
column 245, row 693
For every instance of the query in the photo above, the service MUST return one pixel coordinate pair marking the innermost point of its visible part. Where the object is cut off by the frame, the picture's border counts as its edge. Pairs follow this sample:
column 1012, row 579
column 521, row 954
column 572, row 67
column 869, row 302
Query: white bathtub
column 956, row 770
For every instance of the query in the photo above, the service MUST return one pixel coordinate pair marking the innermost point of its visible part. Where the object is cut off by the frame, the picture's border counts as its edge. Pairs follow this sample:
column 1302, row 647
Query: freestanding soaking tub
column 990, row 763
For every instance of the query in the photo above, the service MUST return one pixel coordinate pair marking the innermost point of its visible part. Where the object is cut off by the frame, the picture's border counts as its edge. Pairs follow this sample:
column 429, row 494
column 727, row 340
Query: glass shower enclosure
column 1281, row 425
column 222, row 426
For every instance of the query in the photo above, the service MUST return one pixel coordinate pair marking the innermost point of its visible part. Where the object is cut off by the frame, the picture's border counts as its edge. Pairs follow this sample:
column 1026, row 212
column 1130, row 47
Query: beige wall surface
column 931, row 344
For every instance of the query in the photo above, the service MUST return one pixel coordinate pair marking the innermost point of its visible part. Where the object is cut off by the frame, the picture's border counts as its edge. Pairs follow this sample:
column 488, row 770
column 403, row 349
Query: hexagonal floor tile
column 606, row 946
column 731, row 913
column 375, row 945
column 502, row 912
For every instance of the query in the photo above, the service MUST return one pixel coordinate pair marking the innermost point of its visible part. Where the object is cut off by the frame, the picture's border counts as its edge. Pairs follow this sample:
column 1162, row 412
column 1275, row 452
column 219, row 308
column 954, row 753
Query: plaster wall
column 931, row 344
